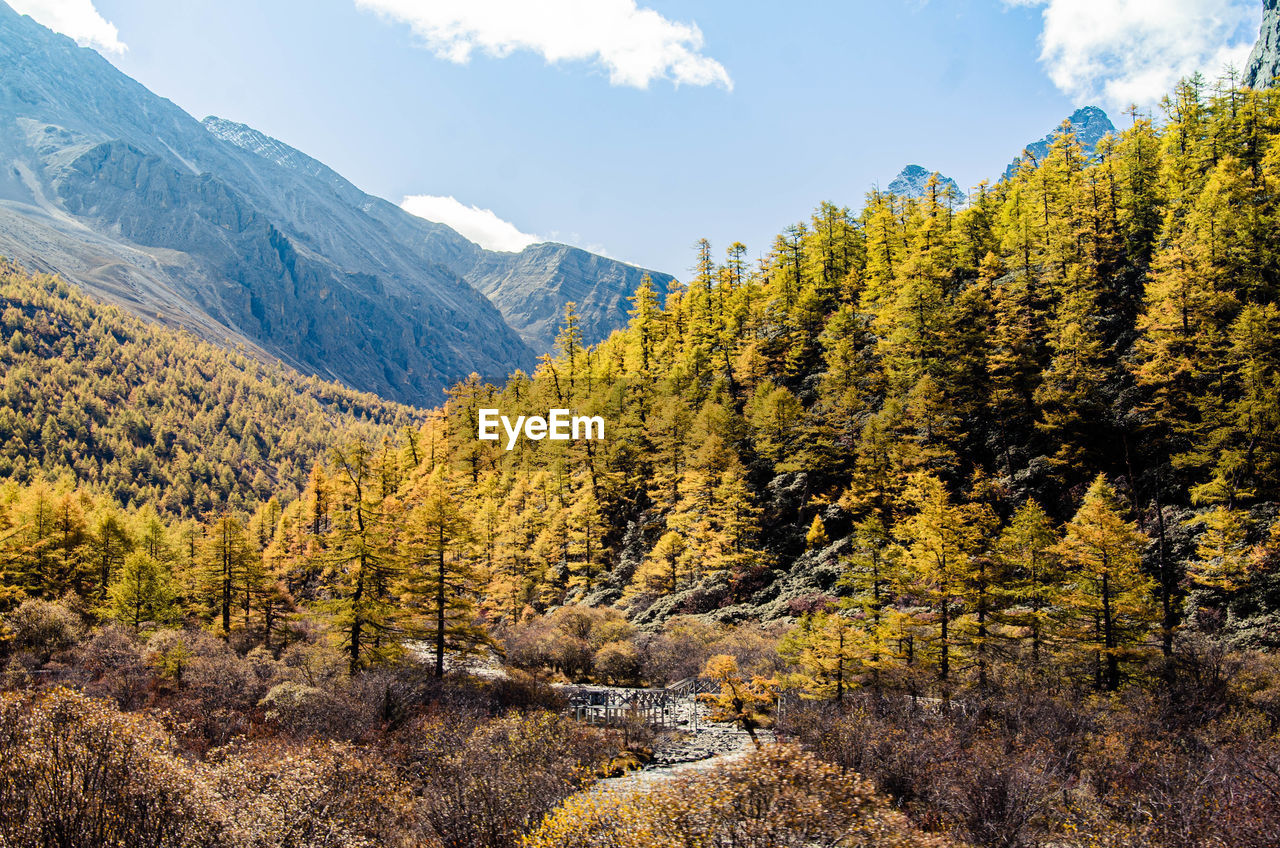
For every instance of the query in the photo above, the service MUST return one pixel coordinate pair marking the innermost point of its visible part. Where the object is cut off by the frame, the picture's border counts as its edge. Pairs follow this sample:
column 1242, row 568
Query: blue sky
column 634, row 127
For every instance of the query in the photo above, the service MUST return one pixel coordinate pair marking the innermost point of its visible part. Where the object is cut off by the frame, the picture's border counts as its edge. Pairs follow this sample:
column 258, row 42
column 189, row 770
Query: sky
column 635, row 127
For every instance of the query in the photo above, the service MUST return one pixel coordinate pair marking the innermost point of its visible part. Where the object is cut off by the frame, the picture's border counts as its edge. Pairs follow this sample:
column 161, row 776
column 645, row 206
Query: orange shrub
column 776, row 797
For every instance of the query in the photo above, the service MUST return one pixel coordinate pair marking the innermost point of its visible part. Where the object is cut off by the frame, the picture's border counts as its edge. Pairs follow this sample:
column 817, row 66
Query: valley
column 952, row 519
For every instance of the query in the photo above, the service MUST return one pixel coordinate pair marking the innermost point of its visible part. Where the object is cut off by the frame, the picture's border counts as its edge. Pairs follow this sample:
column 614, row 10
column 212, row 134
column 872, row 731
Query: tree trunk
column 1112, row 679
column 1168, row 618
column 840, row 668
column 982, row 626
column 440, row 610
column 226, row 580
column 357, row 621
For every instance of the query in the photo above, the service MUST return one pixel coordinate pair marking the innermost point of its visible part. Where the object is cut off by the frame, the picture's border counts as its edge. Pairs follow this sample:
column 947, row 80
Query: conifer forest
column 962, row 516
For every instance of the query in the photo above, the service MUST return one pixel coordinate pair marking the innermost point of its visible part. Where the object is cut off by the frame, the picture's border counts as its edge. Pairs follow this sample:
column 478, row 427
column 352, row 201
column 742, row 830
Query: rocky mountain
column 1089, row 124
column 1263, row 65
column 218, row 228
column 911, row 181
column 529, row 288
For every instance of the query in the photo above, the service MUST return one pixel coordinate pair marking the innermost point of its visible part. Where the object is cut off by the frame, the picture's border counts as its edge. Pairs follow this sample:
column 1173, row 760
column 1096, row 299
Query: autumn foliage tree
column 1110, row 599
column 746, row 702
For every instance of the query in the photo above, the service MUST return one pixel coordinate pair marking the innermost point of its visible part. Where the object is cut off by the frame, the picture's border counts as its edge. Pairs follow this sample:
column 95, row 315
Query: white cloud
column 77, row 19
column 1133, row 51
column 636, row 45
column 480, row 225
column 576, row 240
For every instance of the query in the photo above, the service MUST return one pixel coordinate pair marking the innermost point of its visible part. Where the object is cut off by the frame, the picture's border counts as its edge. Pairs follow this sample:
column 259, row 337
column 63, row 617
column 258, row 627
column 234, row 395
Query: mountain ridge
column 1089, row 123
column 529, row 287
column 221, row 229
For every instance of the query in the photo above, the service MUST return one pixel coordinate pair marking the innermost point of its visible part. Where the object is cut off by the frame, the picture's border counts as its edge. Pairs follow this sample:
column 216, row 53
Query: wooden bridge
column 658, row 708
column 692, row 687
column 606, row 705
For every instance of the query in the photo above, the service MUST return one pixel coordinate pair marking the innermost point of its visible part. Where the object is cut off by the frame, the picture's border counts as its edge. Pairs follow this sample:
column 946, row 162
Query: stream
column 689, row 749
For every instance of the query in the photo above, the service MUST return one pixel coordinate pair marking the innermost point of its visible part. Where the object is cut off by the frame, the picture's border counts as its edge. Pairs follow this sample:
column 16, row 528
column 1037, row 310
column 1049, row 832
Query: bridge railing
column 654, row 707
column 598, row 705
column 692, row 687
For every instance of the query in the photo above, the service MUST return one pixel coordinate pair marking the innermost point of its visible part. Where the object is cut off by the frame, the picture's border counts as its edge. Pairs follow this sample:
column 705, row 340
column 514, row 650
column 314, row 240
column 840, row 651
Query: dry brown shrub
column 77, row 773
column 485, row 785
column 316, row 795
column 43, row 628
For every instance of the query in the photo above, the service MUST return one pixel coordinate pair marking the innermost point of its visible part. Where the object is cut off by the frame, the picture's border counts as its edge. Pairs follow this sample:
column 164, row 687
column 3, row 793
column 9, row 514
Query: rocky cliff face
column 1089, row 124
column 912, row 179
column 529, row 288
column 248, row 241
column 1263, row 66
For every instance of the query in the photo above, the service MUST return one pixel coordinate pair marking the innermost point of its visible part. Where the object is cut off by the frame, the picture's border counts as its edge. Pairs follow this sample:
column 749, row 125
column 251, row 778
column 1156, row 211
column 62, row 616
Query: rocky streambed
column 695, row 745
column 690, row 742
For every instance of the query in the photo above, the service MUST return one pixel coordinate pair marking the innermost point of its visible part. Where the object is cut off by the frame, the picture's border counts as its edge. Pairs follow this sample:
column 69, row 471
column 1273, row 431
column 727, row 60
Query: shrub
column 1031, row 769
column 777, row 797
column 43, row 628
column 566, row 640
column 520, row 691
column 321, row 795
column 213, row 689
column 306, row 711
column 573, row 656
column 113, row 664
column 998, row 797
column 617, row 662
column 485, row 787
column 532, row 645
column 678, row 652
column 76, row 772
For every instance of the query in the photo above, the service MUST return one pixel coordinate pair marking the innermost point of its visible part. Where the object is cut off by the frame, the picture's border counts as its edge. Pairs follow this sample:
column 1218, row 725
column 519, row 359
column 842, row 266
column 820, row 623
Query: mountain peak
column 1090, row 125
column 912, row 180
column 1087, row 114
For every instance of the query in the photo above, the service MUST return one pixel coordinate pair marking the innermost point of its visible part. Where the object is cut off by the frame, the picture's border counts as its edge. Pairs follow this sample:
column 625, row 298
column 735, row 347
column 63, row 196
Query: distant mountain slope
column 1263, row 65
column 911, row 181
column 245, row 240
column 529, row 288
column 125, row 193
column 1089, row 124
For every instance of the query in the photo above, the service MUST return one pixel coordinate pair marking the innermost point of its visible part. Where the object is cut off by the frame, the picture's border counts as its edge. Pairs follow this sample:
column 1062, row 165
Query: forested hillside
column 149, row 416
column 956, row 402
column 1019, row 455
column 1004, row 424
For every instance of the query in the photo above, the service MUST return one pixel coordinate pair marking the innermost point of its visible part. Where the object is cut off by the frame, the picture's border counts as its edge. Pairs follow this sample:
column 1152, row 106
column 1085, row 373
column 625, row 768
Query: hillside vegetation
column 152, row 417
column 990, row 491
